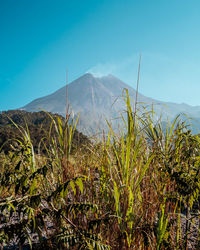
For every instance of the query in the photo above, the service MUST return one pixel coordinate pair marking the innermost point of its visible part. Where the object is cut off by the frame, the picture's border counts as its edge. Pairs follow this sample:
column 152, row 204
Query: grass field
column 138, row 188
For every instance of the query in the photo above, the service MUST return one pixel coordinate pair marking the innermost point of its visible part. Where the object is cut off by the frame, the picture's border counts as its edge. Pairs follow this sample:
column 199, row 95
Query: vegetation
column 137, row 189
column 38, row 124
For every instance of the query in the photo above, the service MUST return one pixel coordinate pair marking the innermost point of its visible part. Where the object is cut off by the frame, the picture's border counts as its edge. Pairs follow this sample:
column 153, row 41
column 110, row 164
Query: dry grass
column 130, row 191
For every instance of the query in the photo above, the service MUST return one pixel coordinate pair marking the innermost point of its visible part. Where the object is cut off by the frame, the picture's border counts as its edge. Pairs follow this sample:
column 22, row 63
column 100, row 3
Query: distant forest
column 37, row 123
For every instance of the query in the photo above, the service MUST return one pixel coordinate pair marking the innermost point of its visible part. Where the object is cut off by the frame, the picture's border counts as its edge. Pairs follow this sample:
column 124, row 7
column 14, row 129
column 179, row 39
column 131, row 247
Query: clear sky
column 40, row 39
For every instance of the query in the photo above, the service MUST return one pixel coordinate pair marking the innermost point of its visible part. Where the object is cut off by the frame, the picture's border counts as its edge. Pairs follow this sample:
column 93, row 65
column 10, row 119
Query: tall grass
column 137, row 189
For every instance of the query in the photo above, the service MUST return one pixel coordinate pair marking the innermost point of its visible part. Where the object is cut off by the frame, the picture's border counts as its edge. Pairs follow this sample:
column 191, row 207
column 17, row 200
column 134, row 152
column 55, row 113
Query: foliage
column 38, row 125
column 137, row 189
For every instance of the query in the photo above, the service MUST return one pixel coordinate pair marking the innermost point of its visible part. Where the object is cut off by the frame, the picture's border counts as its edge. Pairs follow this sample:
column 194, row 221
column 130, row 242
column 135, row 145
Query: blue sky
column 40, row 40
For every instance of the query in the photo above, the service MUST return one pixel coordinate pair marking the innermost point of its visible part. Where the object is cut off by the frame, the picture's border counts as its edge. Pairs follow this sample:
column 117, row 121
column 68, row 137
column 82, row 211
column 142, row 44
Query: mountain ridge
column 98, row 99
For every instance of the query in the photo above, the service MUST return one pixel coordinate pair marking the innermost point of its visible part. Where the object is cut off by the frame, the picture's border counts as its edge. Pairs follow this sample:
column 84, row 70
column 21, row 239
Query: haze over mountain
column 100, row 98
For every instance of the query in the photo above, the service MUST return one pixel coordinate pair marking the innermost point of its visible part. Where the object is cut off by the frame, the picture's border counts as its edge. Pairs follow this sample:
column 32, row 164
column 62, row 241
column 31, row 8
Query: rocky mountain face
column 100, row 99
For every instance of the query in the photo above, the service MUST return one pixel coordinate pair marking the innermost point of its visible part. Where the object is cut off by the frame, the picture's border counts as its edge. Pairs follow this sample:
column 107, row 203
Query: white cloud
column 161, row 77
column 102, row 69
column 125, row 69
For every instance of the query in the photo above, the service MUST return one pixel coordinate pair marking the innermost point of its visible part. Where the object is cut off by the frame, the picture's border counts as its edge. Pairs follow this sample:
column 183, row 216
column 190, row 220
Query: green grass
column 132, row 190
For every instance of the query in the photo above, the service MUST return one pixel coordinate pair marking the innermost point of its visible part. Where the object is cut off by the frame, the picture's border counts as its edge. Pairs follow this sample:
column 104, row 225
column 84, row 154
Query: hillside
column 38, row 123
